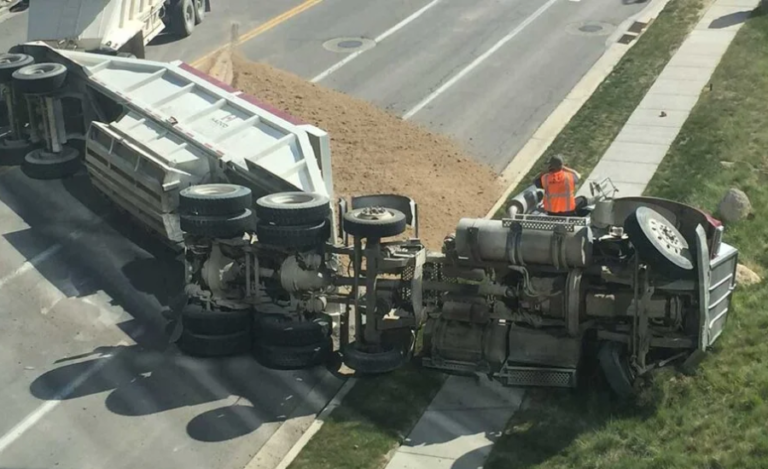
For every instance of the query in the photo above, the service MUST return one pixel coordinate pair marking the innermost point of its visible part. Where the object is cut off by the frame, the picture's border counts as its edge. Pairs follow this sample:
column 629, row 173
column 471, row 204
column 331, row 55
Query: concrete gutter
column 527, row 157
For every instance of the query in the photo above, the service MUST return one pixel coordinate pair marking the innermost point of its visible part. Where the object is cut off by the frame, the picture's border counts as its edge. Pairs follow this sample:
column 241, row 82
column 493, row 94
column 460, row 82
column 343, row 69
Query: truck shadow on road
column 236, row 395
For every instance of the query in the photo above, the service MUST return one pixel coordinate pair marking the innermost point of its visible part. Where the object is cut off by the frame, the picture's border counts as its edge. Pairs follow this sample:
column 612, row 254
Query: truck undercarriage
column 276, row 267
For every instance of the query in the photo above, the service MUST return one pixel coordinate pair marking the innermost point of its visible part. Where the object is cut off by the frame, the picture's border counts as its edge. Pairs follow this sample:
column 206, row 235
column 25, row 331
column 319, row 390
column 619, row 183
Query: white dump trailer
column 111, row 26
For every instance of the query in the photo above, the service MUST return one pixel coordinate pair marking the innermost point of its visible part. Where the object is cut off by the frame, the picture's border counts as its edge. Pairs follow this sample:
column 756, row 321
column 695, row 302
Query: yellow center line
column 261, row 29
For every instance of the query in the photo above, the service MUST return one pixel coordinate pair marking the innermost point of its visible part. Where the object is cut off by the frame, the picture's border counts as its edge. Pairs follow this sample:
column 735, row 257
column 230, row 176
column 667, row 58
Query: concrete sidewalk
column 632, row 159
column 460, row 426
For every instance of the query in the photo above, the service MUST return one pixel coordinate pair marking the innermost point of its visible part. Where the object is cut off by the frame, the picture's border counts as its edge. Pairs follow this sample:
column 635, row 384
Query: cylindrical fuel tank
column 471, row 343
column 529, row 241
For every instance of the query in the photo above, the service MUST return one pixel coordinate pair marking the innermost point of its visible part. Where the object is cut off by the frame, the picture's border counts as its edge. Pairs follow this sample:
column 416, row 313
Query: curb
column 546, row 133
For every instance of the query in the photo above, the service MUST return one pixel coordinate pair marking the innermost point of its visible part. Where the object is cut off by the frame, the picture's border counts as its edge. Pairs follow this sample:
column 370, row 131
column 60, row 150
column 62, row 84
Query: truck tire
column 214, row 199
column 9, row 63
column 199, row 321
column 226, row 226
column 293, row 208
column 199, row 11
column 39, row 164
column 210, row 346
column 293, row 237
column 613, row 362
column 377, row 362
column 275, row 329
column 292, row 357
column 658, row 242
column 40, row 78
column 374, row 222
column 183, row 17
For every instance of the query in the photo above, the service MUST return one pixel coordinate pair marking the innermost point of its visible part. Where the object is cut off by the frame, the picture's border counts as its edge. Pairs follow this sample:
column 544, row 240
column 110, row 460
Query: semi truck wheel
column 40, row 78
column 39, row 164
column 658, row 242
column 615, row 366
column 274, row 329
column 293, row 208
column 374, row 222
column 199, row 11
column 214, row 199
column 9, row 63
column 373, row 362
column 293, row 237
column 183, row 17
column 293, row 357
column 198, row 320
column 210, row 346
column 227, row 226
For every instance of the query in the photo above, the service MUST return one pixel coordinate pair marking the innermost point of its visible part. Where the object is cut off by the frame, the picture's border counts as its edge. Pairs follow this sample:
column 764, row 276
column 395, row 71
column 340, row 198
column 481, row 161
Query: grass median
column 590, row 132
column 715, row 419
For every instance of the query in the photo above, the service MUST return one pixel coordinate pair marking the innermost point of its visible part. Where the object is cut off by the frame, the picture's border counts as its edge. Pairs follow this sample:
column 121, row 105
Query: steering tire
column 293, row 237
column 293, row 357
column 613, row 361
column 38, row 164
column 374, row 222
column 40, row 78
column 293, row 208
column 9, row 63
column 226, row 226
column 214, row 199
column 658, row 242
column 183, row 14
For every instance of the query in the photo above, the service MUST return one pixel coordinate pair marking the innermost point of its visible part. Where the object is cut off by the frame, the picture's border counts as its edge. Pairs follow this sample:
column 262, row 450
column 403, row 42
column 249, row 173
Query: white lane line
column 425, row 102
column 377, row 40
column 44, row 409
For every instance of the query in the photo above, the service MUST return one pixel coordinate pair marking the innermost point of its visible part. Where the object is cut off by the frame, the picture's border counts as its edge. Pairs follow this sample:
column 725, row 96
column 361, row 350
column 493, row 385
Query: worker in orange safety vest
column 559, row 184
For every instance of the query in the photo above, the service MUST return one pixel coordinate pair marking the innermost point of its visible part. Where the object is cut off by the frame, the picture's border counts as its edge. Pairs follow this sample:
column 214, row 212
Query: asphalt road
column 87, row 378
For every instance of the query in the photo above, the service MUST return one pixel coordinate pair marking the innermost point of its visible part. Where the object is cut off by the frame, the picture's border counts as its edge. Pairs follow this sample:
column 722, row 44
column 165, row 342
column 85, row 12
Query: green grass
column 590, row 132
column 373, row 419
column 717, row 418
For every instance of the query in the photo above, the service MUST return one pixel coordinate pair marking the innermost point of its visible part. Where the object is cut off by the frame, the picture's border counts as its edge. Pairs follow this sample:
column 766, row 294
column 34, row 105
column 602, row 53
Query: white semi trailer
column 111, row 26
column 246, row 191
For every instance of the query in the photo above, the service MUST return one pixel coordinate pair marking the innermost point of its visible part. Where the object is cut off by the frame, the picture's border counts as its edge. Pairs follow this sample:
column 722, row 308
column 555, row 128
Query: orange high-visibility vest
column 559, row 191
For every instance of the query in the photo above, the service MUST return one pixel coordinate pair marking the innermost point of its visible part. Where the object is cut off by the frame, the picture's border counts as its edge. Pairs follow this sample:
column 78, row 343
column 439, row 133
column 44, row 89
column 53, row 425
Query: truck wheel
column 275, row 329
column 39, row 164
column 214, row 199
column 613, row 362
column 199, row 321
column 373, row 362
column 225, row 226
column 293, row 357
column 293, row 208
column 9, row 63
column 374, row 222
column 199, row 11
column 40, row 78
column 183, row 17
column 209, row 346
column 293, row 237
column 658, row 242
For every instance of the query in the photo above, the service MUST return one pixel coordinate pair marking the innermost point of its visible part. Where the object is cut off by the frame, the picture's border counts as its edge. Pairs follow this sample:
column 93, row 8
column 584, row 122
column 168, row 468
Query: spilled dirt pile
column 374, row 152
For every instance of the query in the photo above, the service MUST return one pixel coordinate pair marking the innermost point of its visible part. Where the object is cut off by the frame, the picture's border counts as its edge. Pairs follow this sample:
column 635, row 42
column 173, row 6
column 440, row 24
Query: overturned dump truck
column 275, row 265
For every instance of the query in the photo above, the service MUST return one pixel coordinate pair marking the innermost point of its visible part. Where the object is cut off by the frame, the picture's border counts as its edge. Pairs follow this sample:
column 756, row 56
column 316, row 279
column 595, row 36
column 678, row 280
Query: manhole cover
column 346, row 45
column 591, row 28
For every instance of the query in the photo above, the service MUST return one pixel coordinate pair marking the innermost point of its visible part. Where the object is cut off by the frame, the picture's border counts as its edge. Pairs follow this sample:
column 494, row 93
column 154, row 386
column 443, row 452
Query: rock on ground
column 745, row 276
column 375, row 152
column 734, row 206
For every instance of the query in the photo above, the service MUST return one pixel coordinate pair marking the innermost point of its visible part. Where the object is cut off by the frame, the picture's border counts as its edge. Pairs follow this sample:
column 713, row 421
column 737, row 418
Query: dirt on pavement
column 375, row 152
